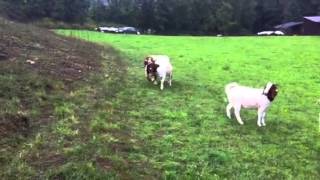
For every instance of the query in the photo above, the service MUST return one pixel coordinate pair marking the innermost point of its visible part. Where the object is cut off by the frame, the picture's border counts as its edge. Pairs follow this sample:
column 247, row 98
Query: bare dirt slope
column 58, row 118
column 37, row 69
column 39, row 54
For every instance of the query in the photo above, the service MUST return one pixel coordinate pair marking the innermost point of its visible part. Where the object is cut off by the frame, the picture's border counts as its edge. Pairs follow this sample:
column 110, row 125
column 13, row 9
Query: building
column 311, row 25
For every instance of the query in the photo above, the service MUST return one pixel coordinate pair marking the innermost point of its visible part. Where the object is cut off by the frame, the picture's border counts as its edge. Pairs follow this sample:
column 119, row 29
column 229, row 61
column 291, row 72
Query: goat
column 247, row 97
column 158, row 66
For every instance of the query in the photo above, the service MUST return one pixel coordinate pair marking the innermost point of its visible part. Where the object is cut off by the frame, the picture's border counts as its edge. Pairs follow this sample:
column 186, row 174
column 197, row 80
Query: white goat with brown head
column 158, row 66
column 247, row 97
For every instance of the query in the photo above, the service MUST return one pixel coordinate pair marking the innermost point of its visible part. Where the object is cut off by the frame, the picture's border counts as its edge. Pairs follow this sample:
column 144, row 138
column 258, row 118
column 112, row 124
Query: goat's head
column 148, row 60
column 152, row 71
column 271, row 91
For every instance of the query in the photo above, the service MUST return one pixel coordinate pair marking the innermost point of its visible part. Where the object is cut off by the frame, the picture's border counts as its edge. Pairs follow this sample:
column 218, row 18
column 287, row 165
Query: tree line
column 169, row 16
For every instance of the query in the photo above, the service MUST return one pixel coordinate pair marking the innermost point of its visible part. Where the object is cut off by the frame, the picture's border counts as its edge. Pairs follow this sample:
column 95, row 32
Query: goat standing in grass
column 247, row 97
column 158, row 66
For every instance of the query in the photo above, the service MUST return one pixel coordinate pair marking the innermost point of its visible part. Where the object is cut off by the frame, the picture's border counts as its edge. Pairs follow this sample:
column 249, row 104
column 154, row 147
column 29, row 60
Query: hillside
column 35, row 65
column 52, row 89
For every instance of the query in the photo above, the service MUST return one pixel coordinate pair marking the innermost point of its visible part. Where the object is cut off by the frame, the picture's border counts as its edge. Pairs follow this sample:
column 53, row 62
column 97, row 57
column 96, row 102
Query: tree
column 170, row 16
column 37, row 9
column 122, row 11
column 269, row 13
column 14, row 9
column 70, row 10
column 224, row 17
column 146, row 14
column 293, row 11
column 203, row 16
column 244, row 15
column 98, row 11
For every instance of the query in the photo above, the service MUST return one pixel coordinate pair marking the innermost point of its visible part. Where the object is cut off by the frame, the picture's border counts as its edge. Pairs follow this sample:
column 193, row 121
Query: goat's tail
column 229, row 86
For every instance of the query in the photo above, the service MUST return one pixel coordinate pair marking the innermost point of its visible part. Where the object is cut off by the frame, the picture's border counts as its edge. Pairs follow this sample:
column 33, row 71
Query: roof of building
column 313, row 18
column 287, row 25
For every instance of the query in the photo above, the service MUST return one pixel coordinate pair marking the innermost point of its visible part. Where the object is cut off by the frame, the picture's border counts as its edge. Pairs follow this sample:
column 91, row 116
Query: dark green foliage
column 170, row 16
column 98, row 11
column 208, row 16
column 65, row 10
column 147, row 14
column 70, row 10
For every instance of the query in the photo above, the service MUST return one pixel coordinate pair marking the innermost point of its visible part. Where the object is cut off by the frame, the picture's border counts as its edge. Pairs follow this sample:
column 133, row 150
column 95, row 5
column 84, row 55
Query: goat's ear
column 277, row 87
column 145, row 62
column 264, row 90
column 157, row 65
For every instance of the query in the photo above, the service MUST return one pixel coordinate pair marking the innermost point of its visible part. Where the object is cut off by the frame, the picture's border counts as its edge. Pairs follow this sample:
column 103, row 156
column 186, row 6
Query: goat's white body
column 246, row 97
column 165, row 68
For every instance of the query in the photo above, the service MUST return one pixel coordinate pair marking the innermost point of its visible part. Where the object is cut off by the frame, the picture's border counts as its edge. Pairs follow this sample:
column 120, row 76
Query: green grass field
column 183, row 132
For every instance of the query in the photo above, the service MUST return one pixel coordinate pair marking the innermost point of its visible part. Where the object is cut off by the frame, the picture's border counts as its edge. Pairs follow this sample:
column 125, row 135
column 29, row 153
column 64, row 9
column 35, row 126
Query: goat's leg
column 237, row 113
column 162, row 82
column 260, row 116
column 170, row 79
column 145, row 71
column 263, row 119
column 228, row 108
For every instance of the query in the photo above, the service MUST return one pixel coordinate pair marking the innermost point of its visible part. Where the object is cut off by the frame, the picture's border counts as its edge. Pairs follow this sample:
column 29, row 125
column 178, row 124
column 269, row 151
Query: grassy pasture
column 184, row 130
